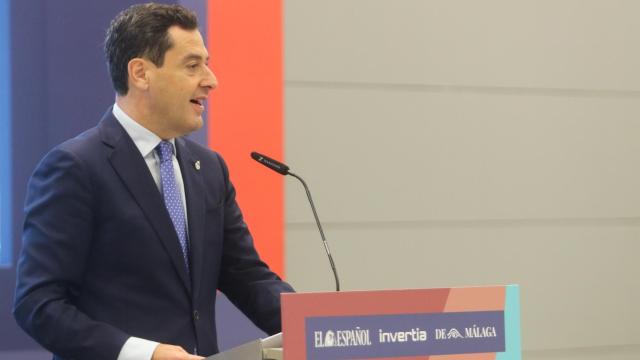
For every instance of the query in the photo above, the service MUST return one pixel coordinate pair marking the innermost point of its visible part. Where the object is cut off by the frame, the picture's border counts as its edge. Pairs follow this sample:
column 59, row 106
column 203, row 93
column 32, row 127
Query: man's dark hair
column 142, row 31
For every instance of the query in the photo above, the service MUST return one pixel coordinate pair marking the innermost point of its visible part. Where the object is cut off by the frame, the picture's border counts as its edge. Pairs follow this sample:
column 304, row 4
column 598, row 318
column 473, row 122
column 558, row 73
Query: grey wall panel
column 461, row 142
column 387, row 155
column 577, row 44
column 578, row 281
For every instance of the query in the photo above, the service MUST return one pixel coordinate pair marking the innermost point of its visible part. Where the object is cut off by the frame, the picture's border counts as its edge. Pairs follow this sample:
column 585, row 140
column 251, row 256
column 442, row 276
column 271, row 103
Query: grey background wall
column 457, row 143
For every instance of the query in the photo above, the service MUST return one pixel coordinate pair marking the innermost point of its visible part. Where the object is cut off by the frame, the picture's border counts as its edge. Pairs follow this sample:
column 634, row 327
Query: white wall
column 465, row 142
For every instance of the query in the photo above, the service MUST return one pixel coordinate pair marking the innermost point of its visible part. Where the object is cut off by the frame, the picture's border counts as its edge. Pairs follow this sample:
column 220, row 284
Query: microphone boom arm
column 324, row 240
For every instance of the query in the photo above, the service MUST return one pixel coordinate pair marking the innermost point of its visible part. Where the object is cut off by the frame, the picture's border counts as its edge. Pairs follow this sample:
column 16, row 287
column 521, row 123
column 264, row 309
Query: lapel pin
column 197, row 165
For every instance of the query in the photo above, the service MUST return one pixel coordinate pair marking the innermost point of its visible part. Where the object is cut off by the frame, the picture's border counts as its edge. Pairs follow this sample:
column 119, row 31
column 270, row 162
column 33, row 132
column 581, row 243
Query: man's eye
column 192, row 66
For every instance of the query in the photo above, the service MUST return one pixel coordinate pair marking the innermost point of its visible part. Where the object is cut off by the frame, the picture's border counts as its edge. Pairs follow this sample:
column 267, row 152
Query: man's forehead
column 181, row 35
column 187, row 43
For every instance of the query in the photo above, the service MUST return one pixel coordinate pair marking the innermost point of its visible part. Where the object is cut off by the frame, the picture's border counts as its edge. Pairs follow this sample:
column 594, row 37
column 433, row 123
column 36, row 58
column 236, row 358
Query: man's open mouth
column 197, row 102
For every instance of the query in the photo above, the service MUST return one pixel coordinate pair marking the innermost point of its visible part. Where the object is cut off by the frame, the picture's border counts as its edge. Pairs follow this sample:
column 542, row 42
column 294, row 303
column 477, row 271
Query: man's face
column 179, row 88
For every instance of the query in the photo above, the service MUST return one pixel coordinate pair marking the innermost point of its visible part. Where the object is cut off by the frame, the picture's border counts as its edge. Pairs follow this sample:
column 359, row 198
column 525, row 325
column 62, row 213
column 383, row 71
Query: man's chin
column 188, row 127
column 196, row 124
column 199, row 122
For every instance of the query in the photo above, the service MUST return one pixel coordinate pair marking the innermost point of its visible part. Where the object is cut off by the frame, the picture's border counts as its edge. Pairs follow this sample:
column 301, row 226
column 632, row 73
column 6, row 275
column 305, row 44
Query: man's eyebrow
column 190, row 57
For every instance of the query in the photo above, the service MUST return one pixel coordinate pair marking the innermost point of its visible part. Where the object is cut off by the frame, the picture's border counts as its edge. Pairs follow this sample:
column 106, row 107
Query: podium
column 471, row 323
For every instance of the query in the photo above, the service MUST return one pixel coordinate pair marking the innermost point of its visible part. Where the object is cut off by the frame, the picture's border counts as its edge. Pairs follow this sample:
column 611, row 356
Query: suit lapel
column 194, row 193
column 132, row 169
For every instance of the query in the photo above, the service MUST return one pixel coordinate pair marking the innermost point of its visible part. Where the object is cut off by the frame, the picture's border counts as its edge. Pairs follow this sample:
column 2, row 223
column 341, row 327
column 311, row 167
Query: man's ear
column 138, row 76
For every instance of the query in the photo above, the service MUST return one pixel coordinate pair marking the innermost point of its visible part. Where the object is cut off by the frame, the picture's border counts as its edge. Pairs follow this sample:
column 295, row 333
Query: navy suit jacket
column 101, row 260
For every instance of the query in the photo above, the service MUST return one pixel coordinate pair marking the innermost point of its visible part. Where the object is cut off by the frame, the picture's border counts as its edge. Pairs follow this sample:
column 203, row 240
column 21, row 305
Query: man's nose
column 210, row 79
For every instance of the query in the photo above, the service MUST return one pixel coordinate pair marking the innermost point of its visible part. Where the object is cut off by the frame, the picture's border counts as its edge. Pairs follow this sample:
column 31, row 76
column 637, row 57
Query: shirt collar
column 145, row 140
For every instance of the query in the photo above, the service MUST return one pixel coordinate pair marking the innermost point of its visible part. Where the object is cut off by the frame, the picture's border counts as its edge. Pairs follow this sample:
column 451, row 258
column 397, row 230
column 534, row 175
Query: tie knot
column 165, row 150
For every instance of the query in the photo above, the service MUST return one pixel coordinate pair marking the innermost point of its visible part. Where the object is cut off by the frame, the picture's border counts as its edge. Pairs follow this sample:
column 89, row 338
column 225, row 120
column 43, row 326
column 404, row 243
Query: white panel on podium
column 262, row 349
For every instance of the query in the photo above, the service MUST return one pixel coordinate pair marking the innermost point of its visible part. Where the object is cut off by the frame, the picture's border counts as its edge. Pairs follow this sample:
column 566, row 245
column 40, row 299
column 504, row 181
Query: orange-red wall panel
column 244, row 38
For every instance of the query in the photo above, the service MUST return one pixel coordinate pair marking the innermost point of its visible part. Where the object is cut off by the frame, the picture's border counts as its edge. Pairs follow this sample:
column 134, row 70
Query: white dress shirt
column 146, row 142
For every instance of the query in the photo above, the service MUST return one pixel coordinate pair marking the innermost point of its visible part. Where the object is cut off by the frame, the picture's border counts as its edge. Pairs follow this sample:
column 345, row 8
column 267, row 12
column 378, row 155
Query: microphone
column 284, row 170
column 270, row 163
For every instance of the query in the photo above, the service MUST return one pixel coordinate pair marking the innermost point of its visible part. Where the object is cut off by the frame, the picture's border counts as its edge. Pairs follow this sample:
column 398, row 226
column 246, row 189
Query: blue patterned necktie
column 172, row 196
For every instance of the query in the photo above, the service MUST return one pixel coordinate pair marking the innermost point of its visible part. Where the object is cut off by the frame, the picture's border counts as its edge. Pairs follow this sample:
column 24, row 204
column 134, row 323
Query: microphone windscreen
column 270, row 163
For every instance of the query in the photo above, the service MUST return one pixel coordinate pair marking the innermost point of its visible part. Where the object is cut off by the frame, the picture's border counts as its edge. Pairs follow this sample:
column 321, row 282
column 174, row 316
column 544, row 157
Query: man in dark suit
column 130, row 228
